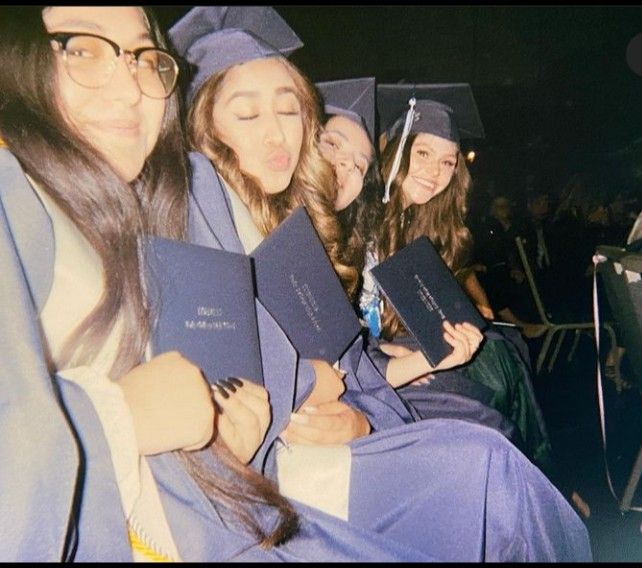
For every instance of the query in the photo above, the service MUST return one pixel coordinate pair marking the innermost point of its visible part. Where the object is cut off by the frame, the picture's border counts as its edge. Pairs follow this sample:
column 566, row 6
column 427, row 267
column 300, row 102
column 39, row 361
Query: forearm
column 398, row 371
column 475, row 290
column 403, row 370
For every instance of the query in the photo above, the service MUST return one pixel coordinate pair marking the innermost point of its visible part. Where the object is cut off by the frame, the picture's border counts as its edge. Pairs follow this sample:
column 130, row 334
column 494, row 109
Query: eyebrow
column 255, row 94
column 427, row 145
column 93, row 26
column 342, row 135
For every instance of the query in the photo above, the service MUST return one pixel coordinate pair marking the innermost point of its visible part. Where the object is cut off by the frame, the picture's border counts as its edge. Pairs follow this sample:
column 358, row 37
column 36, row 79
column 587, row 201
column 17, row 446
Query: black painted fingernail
column 228, row 385
column 222, row 390
column 235, row 381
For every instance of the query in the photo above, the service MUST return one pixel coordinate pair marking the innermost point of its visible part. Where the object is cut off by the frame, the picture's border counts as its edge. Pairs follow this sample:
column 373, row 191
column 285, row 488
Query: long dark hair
column 112, row 215
column 109, row 212
column 361, row 220
column 442, row 220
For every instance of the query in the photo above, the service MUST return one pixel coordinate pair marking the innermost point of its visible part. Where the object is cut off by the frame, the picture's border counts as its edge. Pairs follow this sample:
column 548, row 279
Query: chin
column 423, row 196
column 128, row 159
column 343, row 203
column 127, row 164
column 129, row 172
column 346, row 196
column 276, row 184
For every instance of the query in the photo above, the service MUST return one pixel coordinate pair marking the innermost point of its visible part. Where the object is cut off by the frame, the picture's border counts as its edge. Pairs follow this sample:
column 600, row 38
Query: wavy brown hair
column 113, row 215
column 441, row 219
column 312, row 183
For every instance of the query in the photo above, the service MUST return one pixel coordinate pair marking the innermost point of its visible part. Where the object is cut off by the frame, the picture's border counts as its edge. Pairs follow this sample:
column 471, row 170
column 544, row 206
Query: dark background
column 552, row 83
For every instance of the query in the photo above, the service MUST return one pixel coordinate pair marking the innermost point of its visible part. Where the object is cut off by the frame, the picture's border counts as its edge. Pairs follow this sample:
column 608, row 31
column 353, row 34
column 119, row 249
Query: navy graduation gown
column 449, row 490
column 454, row 489
column 60, row 499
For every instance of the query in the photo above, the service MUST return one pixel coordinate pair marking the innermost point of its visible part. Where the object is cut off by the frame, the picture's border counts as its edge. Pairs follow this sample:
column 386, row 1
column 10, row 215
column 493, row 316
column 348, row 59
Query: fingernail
column 228, row 385
column 309, row 410
column 221, row 390
column 294, row 417
column 235, row 381
column 344, row 373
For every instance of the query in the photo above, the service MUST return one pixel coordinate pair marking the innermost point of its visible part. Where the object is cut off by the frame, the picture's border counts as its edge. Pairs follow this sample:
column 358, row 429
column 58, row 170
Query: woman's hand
column 243, row 416
column 465, row 339
column 323, row 419
column 328, row 386
column 171, row 404
column 326, row 424
column 486, row 311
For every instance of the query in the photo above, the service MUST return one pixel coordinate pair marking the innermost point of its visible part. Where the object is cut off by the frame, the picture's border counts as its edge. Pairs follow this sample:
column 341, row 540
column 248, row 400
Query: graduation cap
column 447, row 110
column 213, row 38
column 352, row 98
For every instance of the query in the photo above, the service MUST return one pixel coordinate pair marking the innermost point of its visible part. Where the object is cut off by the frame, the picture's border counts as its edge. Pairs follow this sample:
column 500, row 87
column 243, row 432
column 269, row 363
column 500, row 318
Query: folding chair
column 620, row 271
column 553, row 327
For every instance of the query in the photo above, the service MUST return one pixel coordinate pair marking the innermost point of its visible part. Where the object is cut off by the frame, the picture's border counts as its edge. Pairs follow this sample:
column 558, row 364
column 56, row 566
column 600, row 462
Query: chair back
column 622, row 279
column 532, row 284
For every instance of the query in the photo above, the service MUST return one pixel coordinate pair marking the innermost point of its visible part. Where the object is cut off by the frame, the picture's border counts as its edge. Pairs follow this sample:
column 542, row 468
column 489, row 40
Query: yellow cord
column 139, row 546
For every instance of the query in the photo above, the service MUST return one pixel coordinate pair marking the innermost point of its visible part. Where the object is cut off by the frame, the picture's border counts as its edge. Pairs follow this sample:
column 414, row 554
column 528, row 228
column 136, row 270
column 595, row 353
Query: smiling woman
column 346, row 143
column 119, row 131
column 346, row 146
column 428, row 183
column 432, row 166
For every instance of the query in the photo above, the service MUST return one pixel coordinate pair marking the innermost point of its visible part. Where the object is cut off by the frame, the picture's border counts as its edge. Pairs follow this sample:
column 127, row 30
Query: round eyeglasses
column 91, row 60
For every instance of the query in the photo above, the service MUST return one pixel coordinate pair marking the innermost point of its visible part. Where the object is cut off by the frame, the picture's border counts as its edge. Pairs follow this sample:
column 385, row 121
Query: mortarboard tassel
column 404, row 134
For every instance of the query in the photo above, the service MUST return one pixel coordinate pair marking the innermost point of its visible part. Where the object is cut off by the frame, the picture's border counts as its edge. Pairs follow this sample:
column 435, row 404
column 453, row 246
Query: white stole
column 77, row 286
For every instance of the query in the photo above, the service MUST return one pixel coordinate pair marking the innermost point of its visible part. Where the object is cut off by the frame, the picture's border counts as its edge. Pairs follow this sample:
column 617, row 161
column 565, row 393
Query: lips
column 428, row 185
column 279, row 161
column 120, row 127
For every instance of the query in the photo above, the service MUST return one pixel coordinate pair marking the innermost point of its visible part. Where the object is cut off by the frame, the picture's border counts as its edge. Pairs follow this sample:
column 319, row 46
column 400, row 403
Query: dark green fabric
column 499, row 367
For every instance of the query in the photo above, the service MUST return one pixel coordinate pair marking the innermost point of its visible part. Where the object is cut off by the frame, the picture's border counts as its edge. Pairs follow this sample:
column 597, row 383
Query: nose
column 123, row 85
column 345, row 164
column 274, row 134
column 431, row 167
column 434, row 167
